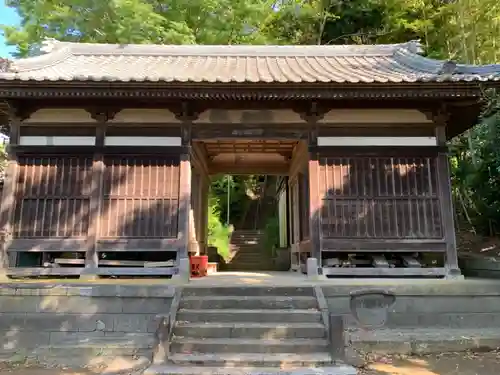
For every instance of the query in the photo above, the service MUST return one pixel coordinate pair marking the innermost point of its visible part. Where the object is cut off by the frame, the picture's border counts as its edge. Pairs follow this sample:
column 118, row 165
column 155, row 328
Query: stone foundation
column 80, row 321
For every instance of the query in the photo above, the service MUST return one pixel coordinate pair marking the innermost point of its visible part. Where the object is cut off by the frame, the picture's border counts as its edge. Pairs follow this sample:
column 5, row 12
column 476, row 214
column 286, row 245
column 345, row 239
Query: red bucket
column 199, row 265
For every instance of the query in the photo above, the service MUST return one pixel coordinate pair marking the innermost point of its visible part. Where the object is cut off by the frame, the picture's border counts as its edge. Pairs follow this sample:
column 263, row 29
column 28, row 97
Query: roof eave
column 257, row 90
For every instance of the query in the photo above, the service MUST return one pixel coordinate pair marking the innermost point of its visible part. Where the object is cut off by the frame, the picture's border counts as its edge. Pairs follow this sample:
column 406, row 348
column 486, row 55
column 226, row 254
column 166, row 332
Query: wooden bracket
column 103, row 114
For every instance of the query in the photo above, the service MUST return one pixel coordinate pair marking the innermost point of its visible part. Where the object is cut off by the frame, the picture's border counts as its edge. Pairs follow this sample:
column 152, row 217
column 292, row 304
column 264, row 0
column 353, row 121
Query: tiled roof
column 394, row 63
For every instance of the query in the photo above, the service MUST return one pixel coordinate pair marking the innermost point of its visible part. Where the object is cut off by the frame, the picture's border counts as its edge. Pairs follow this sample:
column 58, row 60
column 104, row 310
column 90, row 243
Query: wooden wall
column 379, row 197
column 139, row 195
column 388, row 197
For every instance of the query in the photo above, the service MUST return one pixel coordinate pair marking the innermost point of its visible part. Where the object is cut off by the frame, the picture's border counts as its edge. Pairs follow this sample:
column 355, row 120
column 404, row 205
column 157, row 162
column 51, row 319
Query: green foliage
column 476, row 170
column 218, row 233
column 272, row 233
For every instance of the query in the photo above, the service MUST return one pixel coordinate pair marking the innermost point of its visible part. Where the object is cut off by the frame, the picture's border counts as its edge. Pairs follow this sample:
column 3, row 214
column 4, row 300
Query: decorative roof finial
column 449, row 67
column 415, row 46
column 5, row 65
column 49, row 45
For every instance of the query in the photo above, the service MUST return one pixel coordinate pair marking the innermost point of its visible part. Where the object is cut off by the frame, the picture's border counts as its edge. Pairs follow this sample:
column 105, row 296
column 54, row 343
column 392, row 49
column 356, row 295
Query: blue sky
column 7, row 17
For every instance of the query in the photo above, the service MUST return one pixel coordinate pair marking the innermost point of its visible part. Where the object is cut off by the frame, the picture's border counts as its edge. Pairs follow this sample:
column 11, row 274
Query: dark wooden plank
column 382, row 245
column 136, row 271
column 102, row 262
column 47, row 244
column 385, row 272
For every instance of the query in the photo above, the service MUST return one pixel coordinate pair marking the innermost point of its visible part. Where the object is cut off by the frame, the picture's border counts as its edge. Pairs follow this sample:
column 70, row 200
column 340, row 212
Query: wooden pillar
column 186, row 116
column 314, row 207
column 446, row 203
column 9, row 192
column 312, row 116
column 194, row 214
column 96, row 194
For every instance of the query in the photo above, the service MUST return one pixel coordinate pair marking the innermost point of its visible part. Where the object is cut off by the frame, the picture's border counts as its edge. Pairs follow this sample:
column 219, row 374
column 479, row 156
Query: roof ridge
column 50, row 46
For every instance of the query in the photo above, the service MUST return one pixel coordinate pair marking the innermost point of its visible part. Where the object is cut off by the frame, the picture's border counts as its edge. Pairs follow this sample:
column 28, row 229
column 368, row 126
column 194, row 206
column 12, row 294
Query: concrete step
column 267, row 346
column 250, row 330
column 248, row 291
column 242, row 316
column 252, row 359
column 247, row 302
column 243, row 267
column 226, row 370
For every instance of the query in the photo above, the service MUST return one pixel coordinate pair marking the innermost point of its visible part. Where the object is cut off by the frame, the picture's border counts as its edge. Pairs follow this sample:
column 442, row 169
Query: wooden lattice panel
column 380, row 197
column 53, row 196
column 141, row 197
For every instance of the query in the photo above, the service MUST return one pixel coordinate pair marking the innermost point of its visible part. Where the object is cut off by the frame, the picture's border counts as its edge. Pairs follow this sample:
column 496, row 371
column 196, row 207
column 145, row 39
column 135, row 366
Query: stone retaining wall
column 452, row 304
column 87, row 320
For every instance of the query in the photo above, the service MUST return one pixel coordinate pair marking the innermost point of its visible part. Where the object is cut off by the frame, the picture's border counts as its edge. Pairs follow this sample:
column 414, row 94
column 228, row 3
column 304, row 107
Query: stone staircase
column 249, row 252
column 249, row 331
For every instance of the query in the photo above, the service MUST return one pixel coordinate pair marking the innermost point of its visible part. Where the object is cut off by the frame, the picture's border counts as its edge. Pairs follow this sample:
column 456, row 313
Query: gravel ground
column 443, row 364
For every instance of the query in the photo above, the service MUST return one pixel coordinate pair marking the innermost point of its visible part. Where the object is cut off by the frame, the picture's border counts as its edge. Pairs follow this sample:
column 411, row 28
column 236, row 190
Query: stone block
column 134, row 323
column 47, row 322
column 14, row 340
column 72, row 338
column 18, row 304
column 146, row 305
column 184, row 271
column 312, row 268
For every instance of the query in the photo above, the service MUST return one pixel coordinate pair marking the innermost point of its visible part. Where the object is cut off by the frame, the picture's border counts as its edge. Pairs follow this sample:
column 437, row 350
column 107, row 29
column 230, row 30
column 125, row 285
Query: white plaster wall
column 377, row 141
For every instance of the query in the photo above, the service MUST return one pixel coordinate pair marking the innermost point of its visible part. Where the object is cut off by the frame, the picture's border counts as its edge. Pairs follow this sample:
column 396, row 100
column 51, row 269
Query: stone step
column 267, row 346
column 242, row 316
column 250, row 330
column 247, row 302
column 284, row 292
column 226, row 370
column 252, row 359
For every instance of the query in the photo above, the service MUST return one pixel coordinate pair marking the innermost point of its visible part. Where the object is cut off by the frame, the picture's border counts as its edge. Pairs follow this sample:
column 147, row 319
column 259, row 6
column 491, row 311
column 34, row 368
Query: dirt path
column 445, row 364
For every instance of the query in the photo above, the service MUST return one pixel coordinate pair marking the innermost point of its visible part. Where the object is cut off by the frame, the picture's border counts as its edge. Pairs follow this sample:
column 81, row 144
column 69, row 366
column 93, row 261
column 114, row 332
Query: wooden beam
column 384, row 272
column 101, row 271
column 140, row 244
column 244, row 169
column 36, row 245
column 299, row 159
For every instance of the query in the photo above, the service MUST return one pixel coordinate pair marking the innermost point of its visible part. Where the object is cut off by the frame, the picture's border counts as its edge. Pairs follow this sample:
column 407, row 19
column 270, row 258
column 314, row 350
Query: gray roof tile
column 63, row 61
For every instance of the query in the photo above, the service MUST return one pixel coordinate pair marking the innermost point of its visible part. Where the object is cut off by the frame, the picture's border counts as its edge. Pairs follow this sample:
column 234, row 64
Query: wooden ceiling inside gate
column 244, row 146
column 249, row 156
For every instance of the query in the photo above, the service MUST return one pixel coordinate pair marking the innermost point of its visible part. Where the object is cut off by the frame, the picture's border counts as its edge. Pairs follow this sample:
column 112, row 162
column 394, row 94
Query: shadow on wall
column 84, row 324
column 379, row 197
column 141, row 201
